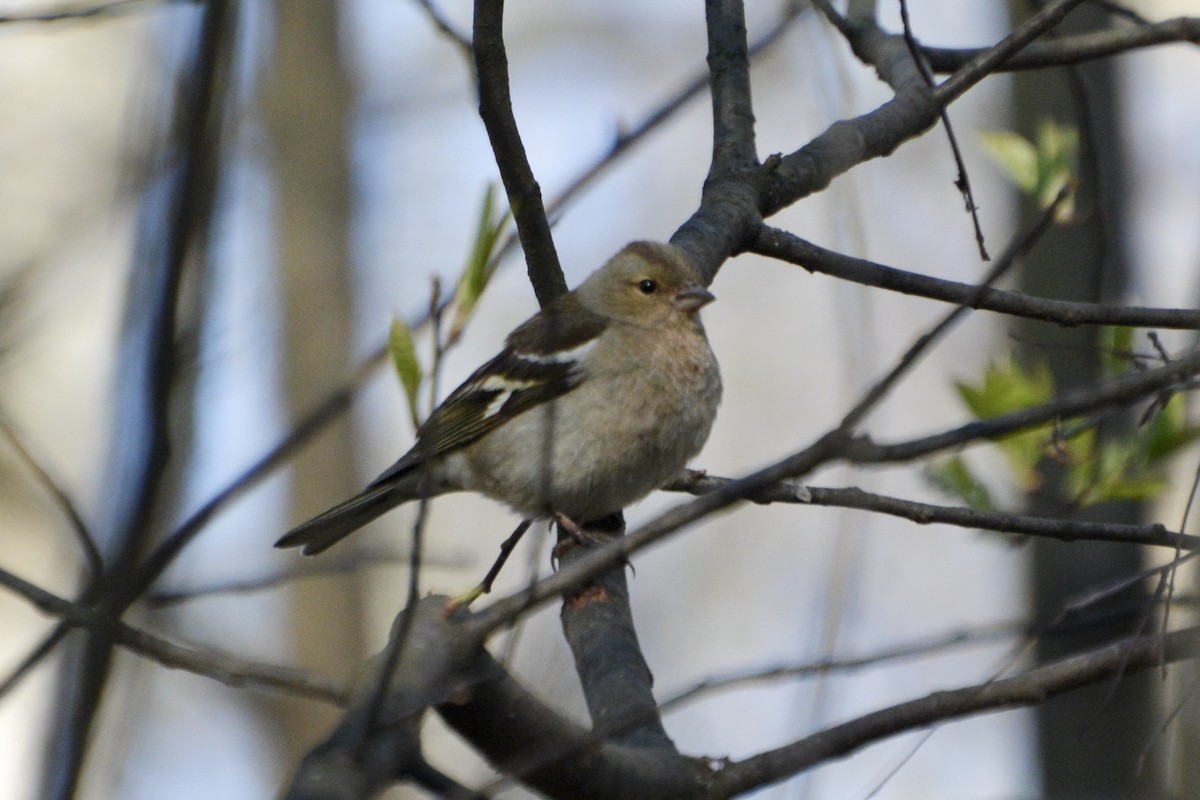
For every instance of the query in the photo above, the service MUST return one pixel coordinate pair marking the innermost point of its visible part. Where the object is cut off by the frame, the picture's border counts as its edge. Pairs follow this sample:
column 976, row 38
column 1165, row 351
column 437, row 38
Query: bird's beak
column 692, row 298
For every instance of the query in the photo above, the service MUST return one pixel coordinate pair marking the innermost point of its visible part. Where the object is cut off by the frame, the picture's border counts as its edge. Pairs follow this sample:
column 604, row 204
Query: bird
column 595, row 401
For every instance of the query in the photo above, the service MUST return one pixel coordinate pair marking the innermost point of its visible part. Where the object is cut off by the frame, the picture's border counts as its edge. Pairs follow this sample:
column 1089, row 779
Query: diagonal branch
column 1075, row 49
column 1156, row 534
column 994, row 57
column 788, row 247
column 225, row 669
column 524, row 194
column 1031, row 688
column 1120, row 391
column 63, row 500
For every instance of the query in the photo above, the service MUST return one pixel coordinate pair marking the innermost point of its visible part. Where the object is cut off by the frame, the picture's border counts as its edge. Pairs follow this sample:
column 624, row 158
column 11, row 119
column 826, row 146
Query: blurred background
column 349, row 173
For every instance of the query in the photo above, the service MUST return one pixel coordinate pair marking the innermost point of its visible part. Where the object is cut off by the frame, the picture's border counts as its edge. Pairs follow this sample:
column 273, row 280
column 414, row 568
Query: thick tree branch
column 598, row 625
column 729, row 71
column 524, row 194
column 373, row 747
column 729, row 204
column 531, row 742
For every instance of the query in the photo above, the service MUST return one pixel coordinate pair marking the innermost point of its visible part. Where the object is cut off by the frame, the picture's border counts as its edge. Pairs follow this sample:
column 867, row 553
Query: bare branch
column 788, row 247
column 1156, row 534
column 64, row 502
column 225, row 669
column 1075, row 49
column 963, row 181
column 75, row 13
column 524, row 194
column 1031, row 688
column 919, row 648
column 729, row 68
column 457, row 37
column 880, row 389
column 991, row 59
column 1118, row 392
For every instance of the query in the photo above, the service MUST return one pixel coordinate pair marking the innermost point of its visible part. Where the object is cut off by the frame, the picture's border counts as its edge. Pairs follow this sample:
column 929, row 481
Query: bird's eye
column 647, row 286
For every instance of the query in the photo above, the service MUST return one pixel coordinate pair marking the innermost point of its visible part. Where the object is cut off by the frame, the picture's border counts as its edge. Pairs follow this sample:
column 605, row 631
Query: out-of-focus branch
column 76, row 13
column 774, row 673
column 447, row 29
column 524, row 194
column 225, row 669
column 63, row 500
column 174, row 229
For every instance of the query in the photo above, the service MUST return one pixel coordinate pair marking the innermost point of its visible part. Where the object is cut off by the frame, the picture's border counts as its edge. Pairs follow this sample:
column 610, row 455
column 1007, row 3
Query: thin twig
column 225, row 669
column 904, row 365
column 439, row 20
column 920, row 648
column 61, row 499
column 1187, row 512
column 788, row 247
column 792, row 492
column 994, row 57
column 963, row 182
column 1116, row 392
column 1031, row 688
column 351, row 561
column 74, row 13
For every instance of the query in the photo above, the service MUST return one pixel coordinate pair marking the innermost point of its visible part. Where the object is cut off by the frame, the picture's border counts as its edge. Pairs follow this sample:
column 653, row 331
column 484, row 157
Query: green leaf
column 1057, row 149
column 1168, row 430
column 1007, row 387
column 1015, row 155
column 1041, row 169
column 474, row 277
column 1116, row 349
column 955, row 478
column 408, row 368
column 1120, row 473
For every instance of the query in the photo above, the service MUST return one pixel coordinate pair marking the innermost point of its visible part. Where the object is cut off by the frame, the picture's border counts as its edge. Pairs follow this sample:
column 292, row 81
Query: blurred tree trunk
column 1090, row 741
column 307, row 101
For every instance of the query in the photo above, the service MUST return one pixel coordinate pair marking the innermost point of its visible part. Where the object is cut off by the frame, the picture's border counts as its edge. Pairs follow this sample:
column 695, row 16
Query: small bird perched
column 594, row 402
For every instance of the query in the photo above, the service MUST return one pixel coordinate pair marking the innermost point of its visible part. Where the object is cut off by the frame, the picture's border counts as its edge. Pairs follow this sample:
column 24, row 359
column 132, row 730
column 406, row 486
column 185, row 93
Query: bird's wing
column 541, row 361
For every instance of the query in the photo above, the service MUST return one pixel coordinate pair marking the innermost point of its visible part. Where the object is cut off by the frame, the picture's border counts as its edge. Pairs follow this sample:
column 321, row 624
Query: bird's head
column 649, row 284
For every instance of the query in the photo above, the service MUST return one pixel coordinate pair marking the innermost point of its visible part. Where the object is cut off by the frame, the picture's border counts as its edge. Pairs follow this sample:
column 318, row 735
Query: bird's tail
column 326, row 530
